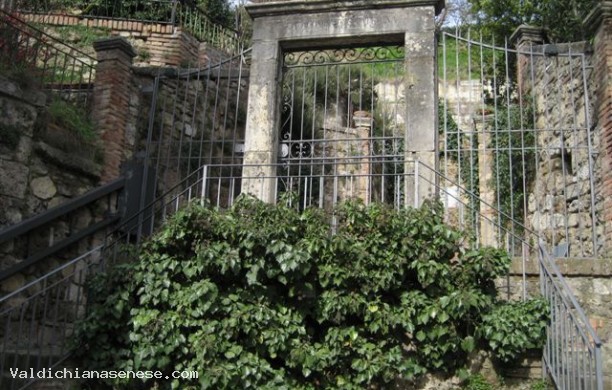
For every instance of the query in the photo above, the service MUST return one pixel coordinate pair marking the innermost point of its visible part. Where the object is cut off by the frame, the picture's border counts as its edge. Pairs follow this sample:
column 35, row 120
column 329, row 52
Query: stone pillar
column 111, row 101
column 421, row 110
column 524, row 38
column 262, row 127
column 600, row 21
column 528, row 41
column 488, row 228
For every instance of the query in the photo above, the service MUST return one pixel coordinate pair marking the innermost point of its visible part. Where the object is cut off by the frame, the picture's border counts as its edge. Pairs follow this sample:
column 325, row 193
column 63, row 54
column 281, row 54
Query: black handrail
column 61, row 210
column 43, row 254
column 49, row 39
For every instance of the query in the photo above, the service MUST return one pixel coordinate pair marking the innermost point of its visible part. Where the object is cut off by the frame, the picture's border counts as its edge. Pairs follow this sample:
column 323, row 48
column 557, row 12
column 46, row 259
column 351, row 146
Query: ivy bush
column 264, row 297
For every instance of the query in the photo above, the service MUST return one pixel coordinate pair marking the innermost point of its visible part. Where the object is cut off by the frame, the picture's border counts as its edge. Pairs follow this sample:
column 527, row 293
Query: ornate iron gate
column 343, row 124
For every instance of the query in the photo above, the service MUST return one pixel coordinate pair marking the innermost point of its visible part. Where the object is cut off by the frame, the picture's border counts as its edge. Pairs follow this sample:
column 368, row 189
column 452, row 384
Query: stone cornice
column 528, row 34
column 276, row 8
column 602, row 10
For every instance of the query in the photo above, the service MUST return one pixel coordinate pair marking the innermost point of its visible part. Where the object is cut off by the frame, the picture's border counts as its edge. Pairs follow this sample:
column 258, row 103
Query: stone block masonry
column 36, row 176
column 558, row 83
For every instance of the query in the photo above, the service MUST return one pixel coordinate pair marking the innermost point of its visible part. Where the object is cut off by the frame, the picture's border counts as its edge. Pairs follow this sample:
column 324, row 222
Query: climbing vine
column 262, row 296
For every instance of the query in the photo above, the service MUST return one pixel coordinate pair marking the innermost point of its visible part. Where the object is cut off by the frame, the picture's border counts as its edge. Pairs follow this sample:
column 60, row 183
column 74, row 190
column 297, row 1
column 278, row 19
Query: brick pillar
column 111, row 101
column 600, row 20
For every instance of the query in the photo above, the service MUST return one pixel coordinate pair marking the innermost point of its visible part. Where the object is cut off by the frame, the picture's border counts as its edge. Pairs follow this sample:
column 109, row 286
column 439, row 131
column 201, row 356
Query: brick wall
column 603, row 108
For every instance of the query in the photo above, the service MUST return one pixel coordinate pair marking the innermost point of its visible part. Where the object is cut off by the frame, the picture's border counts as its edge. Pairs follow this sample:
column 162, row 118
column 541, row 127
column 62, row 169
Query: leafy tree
column 263, row 297
column 220, row 11
column 562, row 18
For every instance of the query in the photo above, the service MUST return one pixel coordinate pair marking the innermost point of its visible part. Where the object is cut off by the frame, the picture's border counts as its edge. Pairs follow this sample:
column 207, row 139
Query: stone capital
column 601, row 12
column 119, row 44
column 526, row 34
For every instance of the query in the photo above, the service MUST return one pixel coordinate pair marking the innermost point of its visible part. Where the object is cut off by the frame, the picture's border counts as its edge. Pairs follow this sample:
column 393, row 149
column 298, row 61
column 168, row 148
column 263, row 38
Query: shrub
column 263, row 296
column 477, row 382
column 515, row 327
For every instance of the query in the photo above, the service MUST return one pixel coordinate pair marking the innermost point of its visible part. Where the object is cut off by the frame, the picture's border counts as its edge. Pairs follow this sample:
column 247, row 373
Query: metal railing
column 46, row 234
column 195, row 21
column 162, row 11
column 516, row 127
column 182, row 13
column 30, row 55
column 572, row 354
column 37, row 321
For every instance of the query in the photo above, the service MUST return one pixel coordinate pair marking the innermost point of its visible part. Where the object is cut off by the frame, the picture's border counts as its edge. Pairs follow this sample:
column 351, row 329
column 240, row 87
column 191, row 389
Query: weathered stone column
column 111, row 101
column 488, row 229
column 600, row 21
column 421, row 106
column 528, row 41
column 261, row 139
column 524, row 38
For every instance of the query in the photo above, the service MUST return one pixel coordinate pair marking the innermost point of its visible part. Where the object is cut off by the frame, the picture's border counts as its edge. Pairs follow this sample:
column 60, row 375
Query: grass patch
column 459, row 60
column 72, row 118
column 69, row 129
column 81, row 37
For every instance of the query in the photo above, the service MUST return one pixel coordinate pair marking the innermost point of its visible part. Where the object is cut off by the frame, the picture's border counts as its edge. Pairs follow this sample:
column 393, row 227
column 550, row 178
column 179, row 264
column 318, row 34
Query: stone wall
column 33, row 174
column 41, row 166
column 600, row 20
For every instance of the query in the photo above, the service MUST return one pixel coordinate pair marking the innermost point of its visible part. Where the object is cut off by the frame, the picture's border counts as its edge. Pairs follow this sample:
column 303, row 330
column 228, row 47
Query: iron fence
column 516, row 129
column 194, row 20
column 57, row 230
column 32, row 57
column 38, row 321
column 197, row 117
column 163, row 11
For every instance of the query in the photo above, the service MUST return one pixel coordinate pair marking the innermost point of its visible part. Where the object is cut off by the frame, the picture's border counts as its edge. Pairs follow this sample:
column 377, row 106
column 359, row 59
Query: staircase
column 38, row 319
